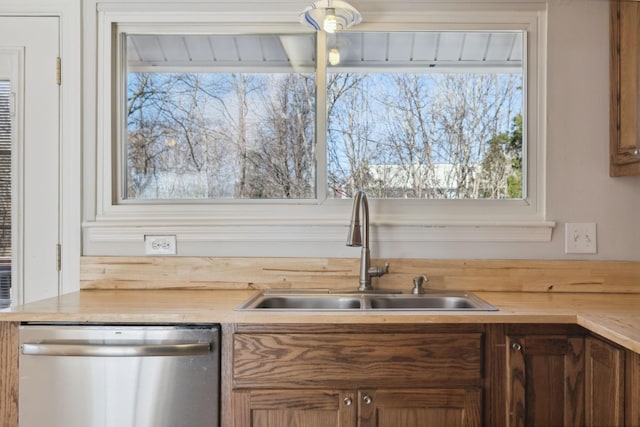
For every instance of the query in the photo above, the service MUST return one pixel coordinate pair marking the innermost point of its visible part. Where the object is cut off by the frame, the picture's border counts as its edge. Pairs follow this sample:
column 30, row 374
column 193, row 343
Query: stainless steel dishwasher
column 119, row 375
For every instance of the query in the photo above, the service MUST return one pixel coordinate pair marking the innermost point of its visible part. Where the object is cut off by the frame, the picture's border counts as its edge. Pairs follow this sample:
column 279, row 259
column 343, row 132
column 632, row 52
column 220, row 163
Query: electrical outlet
column 160, row 245
column 580, row 238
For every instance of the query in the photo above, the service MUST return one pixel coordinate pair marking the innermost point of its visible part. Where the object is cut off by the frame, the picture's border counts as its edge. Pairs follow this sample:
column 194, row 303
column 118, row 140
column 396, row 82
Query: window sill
column 127, row 238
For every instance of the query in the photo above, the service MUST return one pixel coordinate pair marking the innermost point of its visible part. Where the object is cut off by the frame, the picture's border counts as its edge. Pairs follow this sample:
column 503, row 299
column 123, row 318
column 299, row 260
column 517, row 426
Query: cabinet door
column 625, row 88
column 604, row 384
column 294, row 408
column 420, row 407
column 9, row 374
column 632, row 389
column 545, row 381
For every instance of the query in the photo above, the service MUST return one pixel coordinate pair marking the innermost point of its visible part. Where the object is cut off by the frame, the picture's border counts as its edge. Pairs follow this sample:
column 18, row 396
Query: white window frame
column 119, row 227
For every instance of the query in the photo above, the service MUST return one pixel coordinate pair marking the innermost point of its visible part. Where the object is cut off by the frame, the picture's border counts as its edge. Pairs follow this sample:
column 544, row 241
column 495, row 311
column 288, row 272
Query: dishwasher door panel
column 61, row 387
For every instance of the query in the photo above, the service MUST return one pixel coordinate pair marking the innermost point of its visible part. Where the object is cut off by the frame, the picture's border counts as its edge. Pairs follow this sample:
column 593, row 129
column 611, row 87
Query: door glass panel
column 5, row 193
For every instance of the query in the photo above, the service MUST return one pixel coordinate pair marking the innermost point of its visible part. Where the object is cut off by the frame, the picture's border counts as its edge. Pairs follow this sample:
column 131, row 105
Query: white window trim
column 123, row 225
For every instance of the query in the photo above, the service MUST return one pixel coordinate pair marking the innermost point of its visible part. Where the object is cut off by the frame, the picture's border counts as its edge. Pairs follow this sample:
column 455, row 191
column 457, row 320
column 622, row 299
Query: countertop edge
column 608, row 315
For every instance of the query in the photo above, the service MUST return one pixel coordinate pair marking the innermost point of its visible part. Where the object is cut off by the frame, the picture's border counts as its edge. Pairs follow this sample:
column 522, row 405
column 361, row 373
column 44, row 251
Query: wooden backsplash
column 338, row 273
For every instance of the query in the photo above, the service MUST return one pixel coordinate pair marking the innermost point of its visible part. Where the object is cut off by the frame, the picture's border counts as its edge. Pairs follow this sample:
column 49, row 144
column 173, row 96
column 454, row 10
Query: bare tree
column 471, row 110
column 282, row 160
column 244, row 135
column 147, row 96
column 350, row 129
column 420, row 135
column 408, row 135
column 173, row 143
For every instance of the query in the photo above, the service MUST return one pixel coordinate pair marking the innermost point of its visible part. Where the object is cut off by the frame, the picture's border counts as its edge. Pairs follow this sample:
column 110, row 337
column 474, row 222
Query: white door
column 29, row 48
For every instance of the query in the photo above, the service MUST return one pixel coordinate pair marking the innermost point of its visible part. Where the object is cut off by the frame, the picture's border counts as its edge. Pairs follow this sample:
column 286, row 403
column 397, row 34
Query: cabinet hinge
column 58, row 71
column 58, row 257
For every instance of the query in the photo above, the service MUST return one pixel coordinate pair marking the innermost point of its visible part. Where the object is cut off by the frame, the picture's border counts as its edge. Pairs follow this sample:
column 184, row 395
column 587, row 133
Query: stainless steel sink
column 307, row 302
column 449, row 301
column 292, row 300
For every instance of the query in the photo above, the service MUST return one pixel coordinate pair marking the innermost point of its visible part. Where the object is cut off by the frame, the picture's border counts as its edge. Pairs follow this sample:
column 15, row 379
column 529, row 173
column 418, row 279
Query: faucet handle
column 417, row 285
column 376, row 271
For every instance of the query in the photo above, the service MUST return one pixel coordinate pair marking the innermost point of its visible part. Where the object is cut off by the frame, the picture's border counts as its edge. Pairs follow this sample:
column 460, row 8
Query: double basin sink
column 303, row 300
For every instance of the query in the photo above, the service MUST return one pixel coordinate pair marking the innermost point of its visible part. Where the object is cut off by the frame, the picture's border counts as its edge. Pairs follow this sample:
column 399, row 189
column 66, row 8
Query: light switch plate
column 580, row 238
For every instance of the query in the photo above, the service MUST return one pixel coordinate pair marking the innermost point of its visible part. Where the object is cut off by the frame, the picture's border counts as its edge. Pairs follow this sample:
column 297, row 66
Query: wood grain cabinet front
column 362, row 408
column 625, row 88
column 604, row 383
column 563, row 376
column 420, row 407
column 632, row 389
column 294, row 408
column 9, row 374
column 339, row 376
column 545, row 380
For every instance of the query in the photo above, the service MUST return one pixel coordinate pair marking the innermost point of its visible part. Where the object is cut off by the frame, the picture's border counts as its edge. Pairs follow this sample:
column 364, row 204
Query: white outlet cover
column 159, row 245
column 580, row 238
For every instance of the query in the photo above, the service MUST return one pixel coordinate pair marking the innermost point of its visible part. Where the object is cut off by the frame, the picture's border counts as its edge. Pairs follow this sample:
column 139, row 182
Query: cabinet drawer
column 347, row 360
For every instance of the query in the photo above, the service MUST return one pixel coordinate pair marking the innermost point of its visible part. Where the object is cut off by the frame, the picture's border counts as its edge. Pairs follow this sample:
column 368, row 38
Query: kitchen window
column 254, row 125
column 415, row 114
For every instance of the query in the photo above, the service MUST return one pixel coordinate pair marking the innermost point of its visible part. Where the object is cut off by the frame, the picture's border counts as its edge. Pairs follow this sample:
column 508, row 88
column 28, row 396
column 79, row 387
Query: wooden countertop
column 612, row 316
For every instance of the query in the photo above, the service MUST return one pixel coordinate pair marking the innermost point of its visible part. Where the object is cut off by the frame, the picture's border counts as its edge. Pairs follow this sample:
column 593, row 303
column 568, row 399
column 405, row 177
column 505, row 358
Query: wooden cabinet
column 625, row 88
column 560, row 375
column 362, row 408
column 444, row 375
column 632, row 389
column 420, row 407
column 294, row 408
column 604, row 383
column 407, row 375
column 338, row 375
column 9, row 374
column 545, row 378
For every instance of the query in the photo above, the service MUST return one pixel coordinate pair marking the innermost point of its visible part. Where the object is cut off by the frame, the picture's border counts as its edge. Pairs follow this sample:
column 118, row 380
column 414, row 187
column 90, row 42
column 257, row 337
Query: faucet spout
column 354, row 238
column 359, row 236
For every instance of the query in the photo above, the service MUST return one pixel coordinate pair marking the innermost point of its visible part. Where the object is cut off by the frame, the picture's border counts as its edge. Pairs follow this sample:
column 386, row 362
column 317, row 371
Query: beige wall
column 579, row 187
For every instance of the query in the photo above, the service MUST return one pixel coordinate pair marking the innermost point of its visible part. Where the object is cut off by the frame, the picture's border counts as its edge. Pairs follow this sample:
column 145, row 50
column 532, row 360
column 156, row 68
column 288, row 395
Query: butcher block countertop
column 615, row 316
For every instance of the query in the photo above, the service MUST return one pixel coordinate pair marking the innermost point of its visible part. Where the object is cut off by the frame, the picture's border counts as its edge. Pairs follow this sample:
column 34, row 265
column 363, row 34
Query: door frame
column 71, row 118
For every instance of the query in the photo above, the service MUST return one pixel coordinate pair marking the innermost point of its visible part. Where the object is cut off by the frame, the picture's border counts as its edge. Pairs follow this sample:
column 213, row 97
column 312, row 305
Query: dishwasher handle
column 115, row 350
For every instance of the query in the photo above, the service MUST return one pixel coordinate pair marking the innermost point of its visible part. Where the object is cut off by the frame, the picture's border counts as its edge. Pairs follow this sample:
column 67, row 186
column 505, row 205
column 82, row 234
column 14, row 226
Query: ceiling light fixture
column 334, row 56
column 330, row 23
column 330, row 15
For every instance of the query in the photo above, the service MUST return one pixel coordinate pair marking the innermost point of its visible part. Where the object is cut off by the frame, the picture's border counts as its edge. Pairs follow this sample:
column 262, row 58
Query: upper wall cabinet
column 625, row 88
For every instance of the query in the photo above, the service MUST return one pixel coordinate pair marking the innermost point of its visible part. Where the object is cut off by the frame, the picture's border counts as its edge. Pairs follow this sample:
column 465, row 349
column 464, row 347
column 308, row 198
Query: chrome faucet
column 358, row 238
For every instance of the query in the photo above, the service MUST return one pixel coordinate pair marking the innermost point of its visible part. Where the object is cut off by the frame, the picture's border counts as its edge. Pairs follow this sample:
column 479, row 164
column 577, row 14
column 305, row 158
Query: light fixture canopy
column 330, row 15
